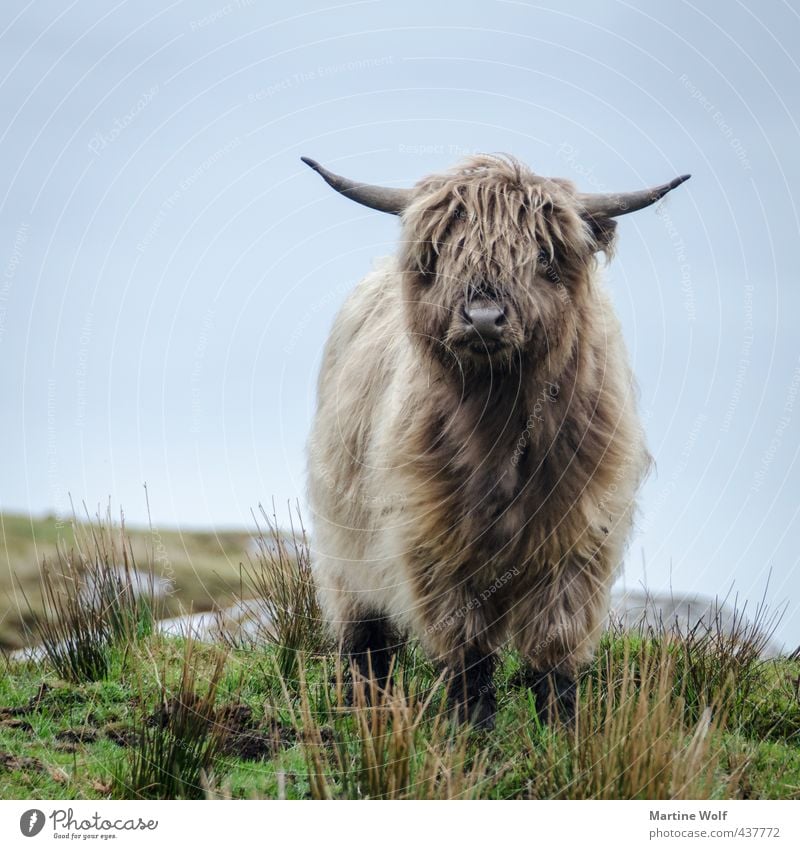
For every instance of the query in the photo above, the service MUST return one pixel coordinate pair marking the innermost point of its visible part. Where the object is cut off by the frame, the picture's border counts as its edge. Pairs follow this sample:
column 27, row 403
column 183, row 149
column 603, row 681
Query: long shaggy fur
column 468, row 498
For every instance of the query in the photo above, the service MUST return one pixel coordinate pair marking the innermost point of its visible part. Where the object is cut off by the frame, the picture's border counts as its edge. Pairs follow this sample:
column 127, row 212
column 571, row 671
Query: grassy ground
column 118, row 710
column 143, row 732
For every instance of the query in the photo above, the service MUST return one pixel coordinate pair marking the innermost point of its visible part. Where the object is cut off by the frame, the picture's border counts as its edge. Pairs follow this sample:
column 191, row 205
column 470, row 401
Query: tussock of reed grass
column 94, row 597
column 178, row 745
column 634, row 739
column 283, row 610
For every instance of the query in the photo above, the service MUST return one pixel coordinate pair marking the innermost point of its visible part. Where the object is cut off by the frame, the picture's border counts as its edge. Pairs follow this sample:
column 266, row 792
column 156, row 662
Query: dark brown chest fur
column 493, row 472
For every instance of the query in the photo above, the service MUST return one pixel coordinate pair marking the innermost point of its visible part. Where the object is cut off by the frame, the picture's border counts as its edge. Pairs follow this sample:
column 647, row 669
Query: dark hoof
column 479, row 716
column 477, row 710
column 368, row 687
column 483, row 715
column 555, row 695
column 470, row 689
column 370, row 644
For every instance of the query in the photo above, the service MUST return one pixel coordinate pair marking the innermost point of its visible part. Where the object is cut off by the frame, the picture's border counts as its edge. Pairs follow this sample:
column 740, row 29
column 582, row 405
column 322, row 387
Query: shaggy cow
column 476, row 450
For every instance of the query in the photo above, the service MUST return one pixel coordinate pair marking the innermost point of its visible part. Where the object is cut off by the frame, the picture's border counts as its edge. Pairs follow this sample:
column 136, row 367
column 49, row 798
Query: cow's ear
column 604, row 231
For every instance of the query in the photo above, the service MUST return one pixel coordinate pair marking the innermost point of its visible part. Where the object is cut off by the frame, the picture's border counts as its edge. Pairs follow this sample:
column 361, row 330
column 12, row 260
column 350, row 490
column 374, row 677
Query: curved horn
column 611, row 205
column 376, row 197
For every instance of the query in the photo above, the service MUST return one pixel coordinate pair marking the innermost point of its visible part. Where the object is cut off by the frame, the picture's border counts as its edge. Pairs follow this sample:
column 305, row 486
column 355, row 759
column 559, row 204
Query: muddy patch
column 14, row 762
column 246, row 739
column 34, row 703
column 242, row 736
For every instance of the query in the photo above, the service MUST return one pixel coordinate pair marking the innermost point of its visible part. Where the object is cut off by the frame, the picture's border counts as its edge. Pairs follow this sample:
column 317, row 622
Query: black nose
column 488, row 321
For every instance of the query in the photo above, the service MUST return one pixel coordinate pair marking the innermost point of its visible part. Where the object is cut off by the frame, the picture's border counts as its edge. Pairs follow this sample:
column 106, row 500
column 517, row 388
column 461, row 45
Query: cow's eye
column 547, row 267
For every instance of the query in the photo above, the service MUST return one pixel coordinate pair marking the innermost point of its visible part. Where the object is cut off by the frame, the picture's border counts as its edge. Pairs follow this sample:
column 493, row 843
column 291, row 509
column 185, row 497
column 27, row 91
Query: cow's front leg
column 470, row 686
column 557, row 628
column 555, row 693
column 370, row 643
column 464, row 648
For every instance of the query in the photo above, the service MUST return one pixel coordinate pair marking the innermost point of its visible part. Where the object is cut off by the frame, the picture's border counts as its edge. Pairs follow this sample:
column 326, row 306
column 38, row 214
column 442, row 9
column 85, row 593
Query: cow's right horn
column 382, row 198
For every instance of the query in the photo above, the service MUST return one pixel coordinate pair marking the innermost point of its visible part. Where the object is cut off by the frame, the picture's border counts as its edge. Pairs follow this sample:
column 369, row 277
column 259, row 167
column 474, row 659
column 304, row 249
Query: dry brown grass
column 633, row 737
column 634, row 740
column 397, row 744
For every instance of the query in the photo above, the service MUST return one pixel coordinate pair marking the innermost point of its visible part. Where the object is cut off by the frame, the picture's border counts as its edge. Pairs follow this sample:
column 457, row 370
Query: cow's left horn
column 382, row 198
column 611, row 205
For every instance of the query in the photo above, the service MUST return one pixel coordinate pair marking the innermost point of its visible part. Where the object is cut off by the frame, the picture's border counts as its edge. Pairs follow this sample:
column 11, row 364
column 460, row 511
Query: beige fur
column 478, row 499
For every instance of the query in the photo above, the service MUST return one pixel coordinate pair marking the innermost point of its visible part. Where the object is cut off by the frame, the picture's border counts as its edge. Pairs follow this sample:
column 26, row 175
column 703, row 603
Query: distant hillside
column 202, row 565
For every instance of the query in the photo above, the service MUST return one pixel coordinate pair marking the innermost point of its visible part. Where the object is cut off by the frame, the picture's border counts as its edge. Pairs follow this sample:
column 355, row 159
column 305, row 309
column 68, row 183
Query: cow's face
column 495, row 266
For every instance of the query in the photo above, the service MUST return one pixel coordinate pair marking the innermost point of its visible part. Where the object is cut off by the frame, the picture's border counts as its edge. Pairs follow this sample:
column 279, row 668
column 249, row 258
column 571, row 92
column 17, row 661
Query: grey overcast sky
column 169, row 270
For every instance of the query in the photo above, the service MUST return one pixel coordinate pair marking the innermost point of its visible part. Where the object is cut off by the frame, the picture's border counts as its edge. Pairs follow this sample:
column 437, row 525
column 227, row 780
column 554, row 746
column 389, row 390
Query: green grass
column 261, row 736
